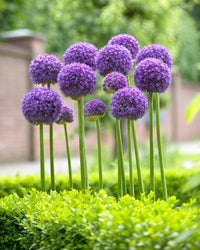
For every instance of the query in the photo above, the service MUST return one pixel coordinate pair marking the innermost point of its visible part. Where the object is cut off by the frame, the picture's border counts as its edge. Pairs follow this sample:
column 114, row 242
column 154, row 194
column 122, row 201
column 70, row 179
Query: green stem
column 99, row 154
column 83, row 165
column 132, row 193
column 42, row 166
column 139, row 172
column 128, row 81
column 53, row 186
column 68, row 157
column 151, row 142
column 164, row 185
column 120, row 158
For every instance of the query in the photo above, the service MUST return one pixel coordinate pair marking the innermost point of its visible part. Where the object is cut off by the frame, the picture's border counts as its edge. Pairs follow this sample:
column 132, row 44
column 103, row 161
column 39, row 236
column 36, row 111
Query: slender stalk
column 68, row 157
column 132, row 193
column 53, row 186
column 128, row 81
column 42, row 165
column 151, row 144
column 99, row 154
column 120, row 158
column 83, row 165
column 137, row 158
column 162, row 171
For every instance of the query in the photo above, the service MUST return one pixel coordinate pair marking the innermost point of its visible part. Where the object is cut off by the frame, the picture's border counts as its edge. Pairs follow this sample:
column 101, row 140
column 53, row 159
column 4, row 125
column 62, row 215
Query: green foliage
column 193, row 108
column 81, row 220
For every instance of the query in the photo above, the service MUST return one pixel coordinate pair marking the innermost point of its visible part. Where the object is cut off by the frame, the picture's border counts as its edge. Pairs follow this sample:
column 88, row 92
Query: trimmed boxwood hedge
column 82, row 220
column 176, row 179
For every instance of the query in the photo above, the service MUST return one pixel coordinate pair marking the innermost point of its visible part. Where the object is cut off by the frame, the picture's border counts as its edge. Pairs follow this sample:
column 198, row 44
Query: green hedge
column 81, row 220
column 176, row 179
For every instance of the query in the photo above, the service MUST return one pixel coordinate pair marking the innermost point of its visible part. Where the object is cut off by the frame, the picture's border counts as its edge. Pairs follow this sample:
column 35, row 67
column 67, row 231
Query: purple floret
column 81, row 52
column 128, row 103
column 94, row 109
column 41, row 105
column 76, row 80
column 128, row 42
column 152, row 75
column 44, row 69
column 114, row 81
column 67, row 115
column 114, row 58
column 155, row 51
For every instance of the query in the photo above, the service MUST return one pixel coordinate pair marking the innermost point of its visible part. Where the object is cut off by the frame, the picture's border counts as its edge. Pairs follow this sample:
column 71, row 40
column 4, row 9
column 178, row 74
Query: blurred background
column 30, row 28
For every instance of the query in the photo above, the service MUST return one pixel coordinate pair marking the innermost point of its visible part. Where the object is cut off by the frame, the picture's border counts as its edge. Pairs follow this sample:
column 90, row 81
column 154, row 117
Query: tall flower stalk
column 130, row 158
column 92, row 111
column 42, row 162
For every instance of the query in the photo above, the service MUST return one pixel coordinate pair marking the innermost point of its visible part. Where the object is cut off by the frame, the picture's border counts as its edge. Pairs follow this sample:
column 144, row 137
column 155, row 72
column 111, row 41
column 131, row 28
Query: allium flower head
column 41, row 105
column 67, row 115
column 114, row 81
column 113, row 58
column 76, row 80
column 81, row 52
column 44, row 69
column 128, row 103
column 127, row 41
column 155, row 51
column 152, row 75
column 94, row 109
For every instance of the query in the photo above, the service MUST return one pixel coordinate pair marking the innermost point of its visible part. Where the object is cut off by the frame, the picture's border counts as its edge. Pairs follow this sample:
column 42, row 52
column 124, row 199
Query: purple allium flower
column 128, row 42
column 41, row 105
column 76, row 80
column 128, row 103
column 113, row 58
column 94, row 109
column 152, row 75
column 155, row 51
column 44, row 69
column 67, row 115
column 114, row 81
column 81, row 52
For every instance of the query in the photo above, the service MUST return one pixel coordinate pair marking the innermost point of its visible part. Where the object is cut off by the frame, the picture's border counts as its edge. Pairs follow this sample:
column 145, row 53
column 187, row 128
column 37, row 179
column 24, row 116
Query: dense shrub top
column 82, row 220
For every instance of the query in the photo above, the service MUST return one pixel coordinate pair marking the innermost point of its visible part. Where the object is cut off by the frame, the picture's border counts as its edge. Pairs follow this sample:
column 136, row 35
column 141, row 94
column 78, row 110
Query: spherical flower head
column 81, row 52
column 66, row 116
column 155, row 51
column 128, row 42
column 152, row 75
column 114, row 81
column 44, row 69
column 41, row 105
column 114, row 58
column 94, row 109
column 77, row 80
column 128, row 103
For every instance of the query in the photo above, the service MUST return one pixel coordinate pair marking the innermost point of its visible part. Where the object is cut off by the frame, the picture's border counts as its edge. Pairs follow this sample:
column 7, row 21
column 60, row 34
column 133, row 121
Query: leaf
column 193, row 109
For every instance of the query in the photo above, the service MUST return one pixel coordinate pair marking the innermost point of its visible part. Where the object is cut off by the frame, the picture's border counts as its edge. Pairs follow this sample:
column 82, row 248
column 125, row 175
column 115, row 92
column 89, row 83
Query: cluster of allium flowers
column 41, row 105
column 76, row 80
column 152, row 75
column 66, row 116
column 113, row 58
column 94, row 109
column 81, row 52
column 44, row 69
column 127, row 41
column 155, row 51
column 114, row 81
column 128, row 103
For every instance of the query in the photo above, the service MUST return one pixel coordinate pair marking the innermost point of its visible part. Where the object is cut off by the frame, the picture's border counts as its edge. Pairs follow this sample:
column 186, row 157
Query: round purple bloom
column 81, row 52
column 67, row 115
column 44, row 69
column 114, row 81
column 152, row 75
column 113, row 58
column 155, row 51
column 127, row 41
column 76, row 80
column 41, row 105
column 94, row 109
column 128, row 103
